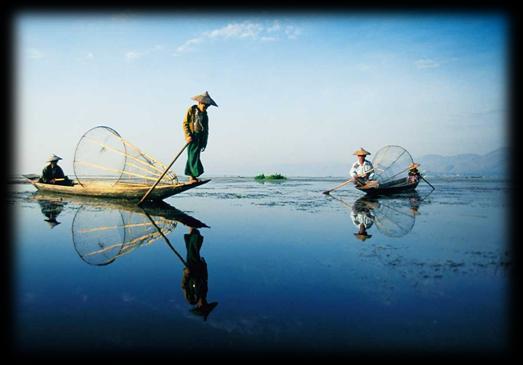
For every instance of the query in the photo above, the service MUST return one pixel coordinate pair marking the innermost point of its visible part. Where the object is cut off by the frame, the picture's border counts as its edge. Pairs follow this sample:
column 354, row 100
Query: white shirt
column 358, row 169
column 362, row 217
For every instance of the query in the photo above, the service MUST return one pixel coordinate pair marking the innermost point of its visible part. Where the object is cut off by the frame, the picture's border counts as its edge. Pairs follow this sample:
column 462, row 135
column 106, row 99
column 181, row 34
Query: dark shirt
column 413, row 172
column 50, row 172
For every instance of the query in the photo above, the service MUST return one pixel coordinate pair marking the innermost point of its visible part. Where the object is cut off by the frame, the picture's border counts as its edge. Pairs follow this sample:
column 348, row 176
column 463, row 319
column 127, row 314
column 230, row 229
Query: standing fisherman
column 196, row 130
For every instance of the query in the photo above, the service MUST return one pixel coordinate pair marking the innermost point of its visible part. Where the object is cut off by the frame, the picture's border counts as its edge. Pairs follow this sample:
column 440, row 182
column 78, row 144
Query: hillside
column 494, row 163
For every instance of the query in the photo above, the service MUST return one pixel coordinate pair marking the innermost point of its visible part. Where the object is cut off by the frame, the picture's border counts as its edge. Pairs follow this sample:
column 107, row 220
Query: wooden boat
column 103, row 189
column 392, row 165
column 398, row 186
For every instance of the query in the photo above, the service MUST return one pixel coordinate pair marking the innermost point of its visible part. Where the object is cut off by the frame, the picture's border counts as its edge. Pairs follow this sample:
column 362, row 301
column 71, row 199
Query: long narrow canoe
column 103, row 189
column 395, row 187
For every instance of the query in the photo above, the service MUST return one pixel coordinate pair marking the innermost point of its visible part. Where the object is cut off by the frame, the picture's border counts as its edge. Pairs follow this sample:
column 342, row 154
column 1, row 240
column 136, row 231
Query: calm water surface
column 287, row 268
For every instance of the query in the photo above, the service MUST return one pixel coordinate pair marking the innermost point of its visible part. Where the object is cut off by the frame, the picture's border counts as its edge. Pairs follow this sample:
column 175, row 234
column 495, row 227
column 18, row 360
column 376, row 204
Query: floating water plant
column 270, row 177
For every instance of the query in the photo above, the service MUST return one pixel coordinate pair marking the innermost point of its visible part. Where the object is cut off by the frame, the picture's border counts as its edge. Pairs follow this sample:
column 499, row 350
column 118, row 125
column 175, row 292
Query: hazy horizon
column 301, row 91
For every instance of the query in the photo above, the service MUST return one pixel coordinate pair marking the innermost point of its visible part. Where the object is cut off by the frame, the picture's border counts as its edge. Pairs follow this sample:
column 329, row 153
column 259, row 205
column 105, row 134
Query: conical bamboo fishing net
column 391, row 163
column 102, row 156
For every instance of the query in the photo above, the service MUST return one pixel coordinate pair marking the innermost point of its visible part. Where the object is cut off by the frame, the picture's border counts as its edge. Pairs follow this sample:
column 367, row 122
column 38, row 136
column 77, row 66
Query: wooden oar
column 32, row 178
column 166, row 239
column 327, row 192
column 433, row 188
column 167, row 169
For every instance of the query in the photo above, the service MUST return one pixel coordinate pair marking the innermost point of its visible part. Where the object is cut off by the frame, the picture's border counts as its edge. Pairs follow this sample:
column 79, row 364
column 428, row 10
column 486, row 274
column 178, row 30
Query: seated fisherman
column 53, row 174
column 414, row 173
column 362, row 170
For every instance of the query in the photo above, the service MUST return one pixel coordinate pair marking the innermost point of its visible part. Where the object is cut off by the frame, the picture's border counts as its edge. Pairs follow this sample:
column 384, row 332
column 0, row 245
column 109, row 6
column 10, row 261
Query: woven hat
column 53, row 158
column 52, row 222
column 414, row 165
column 362, row 234
column 362, row 237
column 205, row 99
column 361, row 152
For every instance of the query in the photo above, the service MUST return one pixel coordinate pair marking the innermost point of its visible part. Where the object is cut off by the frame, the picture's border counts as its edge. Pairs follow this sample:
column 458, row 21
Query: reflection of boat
column 102, row 189
column 391, row 166
column 157, row 208
column 104, row 230
column 394, row 217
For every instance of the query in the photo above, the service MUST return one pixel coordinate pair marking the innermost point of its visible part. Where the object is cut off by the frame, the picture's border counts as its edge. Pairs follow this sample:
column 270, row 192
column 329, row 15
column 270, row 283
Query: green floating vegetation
column 270, row 177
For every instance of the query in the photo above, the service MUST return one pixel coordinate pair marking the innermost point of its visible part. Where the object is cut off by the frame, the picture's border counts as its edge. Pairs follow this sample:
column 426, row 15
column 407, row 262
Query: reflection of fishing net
column 102, row 154
column 101, row 236
column 391, row 164
column 393, row 220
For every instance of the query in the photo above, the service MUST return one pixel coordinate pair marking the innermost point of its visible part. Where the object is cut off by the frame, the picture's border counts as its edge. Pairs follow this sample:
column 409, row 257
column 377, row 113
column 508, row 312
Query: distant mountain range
column 495, row 163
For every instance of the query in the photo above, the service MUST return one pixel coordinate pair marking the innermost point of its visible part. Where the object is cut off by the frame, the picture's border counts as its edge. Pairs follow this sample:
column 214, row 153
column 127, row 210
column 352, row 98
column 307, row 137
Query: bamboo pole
column 166, row 239
column 151, row 167
column 327, row 192
column 130, row 244
column 433, row 188
column 115, row 170
column 167, row 169
column 149, row 157
column 106, row 228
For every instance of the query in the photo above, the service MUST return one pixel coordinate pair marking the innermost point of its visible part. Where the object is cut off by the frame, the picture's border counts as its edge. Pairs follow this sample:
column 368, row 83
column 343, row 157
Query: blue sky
column 297, row 93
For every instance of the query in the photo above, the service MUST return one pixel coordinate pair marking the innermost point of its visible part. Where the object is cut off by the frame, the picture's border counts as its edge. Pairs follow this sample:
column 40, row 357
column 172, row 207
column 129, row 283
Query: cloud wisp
column 426, row 63
column 35, row 54
column 132, row 55
column 246, row 30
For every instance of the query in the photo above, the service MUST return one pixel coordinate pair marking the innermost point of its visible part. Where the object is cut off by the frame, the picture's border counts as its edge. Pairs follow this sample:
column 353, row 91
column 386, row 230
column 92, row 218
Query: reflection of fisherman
column 361, row 170
column 53, row 174
column 414, row 174
column 363, row 217
column 414, row 204
column 194, row 281
column 51, row 210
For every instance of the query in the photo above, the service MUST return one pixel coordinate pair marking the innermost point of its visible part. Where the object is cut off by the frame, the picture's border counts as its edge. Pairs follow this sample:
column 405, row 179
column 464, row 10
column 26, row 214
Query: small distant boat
column 103, row 189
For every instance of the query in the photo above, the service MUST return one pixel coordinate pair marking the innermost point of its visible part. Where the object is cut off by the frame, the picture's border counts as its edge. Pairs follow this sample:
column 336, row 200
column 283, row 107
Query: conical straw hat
column 53, row 158
column 205, row 99
column 413, row 165
column 361, row 152
column 362, row 237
